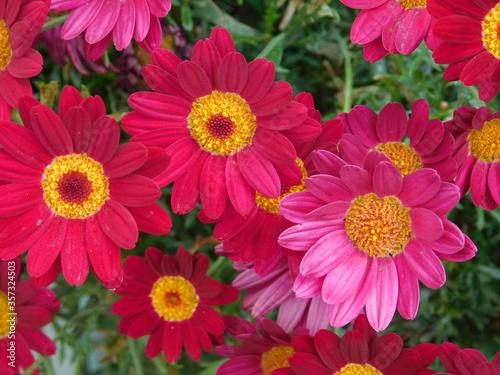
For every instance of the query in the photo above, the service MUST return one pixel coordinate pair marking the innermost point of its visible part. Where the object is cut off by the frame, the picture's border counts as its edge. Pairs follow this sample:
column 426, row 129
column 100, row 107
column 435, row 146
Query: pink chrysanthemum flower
column 257, row 354
column 22, row 319
column 370, row 235
column 103, row 20
column 170, row 298
column 470, row 44
column 275, row 290
column 74, row 195
column 390, row 26
column 429, row 144
column 467, row 361
column 359, row 351
column 220, row 119
column 477, row 152
column 20, row 22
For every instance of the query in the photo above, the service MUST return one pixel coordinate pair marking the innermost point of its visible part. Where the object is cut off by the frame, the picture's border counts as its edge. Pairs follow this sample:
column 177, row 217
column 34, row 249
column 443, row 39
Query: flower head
column 359, row 351
column 390, row 26
column 220, row 119
column 20, row 22
column 470, row 43
column 467, row 361
column 370, row 235
column 169, row 298
column 23, row 318
column 74, row 196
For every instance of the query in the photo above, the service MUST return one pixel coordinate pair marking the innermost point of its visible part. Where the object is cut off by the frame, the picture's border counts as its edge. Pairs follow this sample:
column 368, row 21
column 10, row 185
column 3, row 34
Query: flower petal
column 118, row 224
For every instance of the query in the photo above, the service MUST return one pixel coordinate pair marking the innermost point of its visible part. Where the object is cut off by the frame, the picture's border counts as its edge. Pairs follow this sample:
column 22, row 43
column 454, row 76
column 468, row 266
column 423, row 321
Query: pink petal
column 193, row 79
column 128, row 158
column 387, row 180
column 118, row 224
column 425, row 264
column 425, row 224
column 15, row 171
column 258, row 172
column 74, row 258
column 51, row 131
column 19, row 198
column 78, row 125
column 206, row 55
column 104, row 139
column 413, row 27
column 274, row 146
column 123, row 31
column 142, row 20
column 408, row 289
column 296, row 206
column 260, row 79
column 240, row 193
column 134, row 190
column 80, row 18
column 151, row 219
column 104, row 23
column 232, row 74
column 419, row 187
column 392, row 123
column 291, row 116
column 277, row 98
column 479, row 68
column 160, row 106
column 304, row 236
column 213, row 191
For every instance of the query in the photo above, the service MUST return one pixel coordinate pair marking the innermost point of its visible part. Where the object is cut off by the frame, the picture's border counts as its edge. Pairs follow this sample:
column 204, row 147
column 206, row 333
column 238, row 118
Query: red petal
column 213, row 191
column 74, row 258
column 51, row 131
column 232, row 75
column 118, row 224
column 151, row 219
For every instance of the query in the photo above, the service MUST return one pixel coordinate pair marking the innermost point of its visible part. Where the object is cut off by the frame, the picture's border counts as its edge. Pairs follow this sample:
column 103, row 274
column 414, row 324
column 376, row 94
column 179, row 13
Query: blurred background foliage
column 308, row 40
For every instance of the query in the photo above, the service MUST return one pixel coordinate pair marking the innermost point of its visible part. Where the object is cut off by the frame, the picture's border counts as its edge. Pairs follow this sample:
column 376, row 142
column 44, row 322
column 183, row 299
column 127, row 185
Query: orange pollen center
column 276, row 358
column 402, row 156
column 491, row 31
column 357, row 369
column 74, row 186
column 5, row 47
column 174, row 298
column 222, row 123
column 484, row 143
column 4, row 310
column 378, row 226
column 409, row 4
column 271, row 205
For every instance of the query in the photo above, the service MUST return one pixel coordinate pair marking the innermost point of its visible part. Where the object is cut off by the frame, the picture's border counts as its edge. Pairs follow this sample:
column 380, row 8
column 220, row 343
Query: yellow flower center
column 74, row 186
column 491, row 30
column 276, row 358
column 4, row 310
column 174, row 298
column 484, row 143
column 222, row 123
column 5, row 47
column 356, row 369
column 378, row 226
column 271, row 204
column 409, row 4
column 402, row 155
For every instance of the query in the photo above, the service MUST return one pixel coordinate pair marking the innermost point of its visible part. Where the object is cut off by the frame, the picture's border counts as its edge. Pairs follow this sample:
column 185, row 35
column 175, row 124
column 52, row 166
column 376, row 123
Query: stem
column 135, row 356
column 54, row 22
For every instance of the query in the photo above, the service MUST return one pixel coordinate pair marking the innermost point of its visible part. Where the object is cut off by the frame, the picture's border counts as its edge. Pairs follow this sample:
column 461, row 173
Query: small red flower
column 169, row 298
column 31, row 309
column 467, row 361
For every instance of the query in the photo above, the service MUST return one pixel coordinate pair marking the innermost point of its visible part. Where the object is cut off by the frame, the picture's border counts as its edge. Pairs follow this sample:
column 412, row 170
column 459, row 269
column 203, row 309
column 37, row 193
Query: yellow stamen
column 491, row 31
column 174, row 298
column 409, row 4
column 378, row 226
column 484, row 143
column 5, row 47
column 222, row 123
column 4, row 310
column 74, row 186
column 403, row 156
column 271, row 204
column 276, row 358
column 357, row 369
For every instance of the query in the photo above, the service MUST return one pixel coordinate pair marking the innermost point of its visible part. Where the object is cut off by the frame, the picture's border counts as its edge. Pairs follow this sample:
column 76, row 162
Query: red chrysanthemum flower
column 477, row 152
column 429, row 144
column 467, row 361
column 468, row 30
column 25, row 309
column 103, row 20
column 257, row 354
column 20, row 22
column 74, row 196
column 390, row 26
column 220, row 119
column 359, row 351
column 169, row 298
column 370, row 235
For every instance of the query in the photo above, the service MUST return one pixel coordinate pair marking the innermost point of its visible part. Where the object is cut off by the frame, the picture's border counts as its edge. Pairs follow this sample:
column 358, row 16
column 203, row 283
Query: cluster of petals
column 102, row 21
column 477, row 153
column 214, row 177
column 468, row 33
column 203, row 329
column 37, row 215
column 467, row 361
column 349, row 278
column 34, row 307
column 358, row 351
column 430, row 144
column 265, row 347
column 390, row 26
column 20, row 23
column 264, row 294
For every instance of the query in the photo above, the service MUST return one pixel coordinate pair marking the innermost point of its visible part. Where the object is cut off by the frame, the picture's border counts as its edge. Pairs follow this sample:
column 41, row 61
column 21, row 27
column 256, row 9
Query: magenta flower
column 390, row 26
column 74, row 196
column 429, row 146
column 220, row 119
column 370, row 235
column 467, row 361
column 477, row 152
